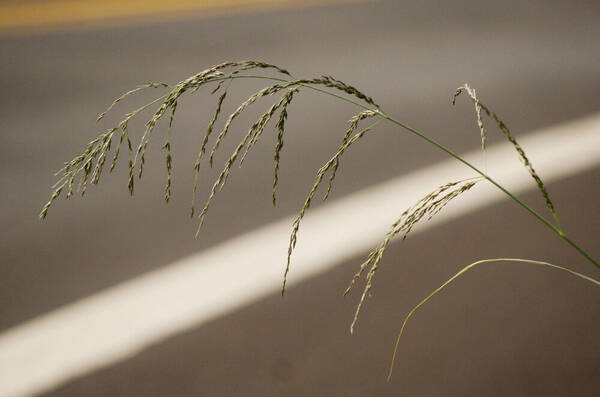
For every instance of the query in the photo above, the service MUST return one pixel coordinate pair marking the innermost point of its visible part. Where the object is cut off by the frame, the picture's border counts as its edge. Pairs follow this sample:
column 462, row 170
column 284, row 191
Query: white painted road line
column 110, row 326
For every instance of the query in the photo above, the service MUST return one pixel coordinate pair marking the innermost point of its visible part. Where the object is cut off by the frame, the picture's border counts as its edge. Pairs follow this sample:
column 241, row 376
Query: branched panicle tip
column 509, row 136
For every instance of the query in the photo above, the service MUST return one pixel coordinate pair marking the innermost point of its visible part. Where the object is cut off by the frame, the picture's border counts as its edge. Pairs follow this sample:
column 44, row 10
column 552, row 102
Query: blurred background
column 502, row 330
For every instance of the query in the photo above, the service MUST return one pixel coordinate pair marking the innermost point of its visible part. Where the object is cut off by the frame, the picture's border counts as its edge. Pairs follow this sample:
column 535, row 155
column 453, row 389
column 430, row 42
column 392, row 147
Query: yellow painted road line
column 17, row 18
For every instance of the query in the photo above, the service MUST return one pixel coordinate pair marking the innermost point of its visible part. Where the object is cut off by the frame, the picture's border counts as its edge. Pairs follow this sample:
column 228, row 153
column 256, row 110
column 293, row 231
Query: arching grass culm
column 88, row 166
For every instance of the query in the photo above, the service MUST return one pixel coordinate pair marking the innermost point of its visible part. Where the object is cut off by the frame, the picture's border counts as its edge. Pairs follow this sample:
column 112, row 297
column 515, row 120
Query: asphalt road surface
column 504, row 331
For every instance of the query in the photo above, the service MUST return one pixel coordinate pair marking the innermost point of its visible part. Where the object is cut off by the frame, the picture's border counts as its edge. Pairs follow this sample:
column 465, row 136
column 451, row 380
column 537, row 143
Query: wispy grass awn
column 87, row 167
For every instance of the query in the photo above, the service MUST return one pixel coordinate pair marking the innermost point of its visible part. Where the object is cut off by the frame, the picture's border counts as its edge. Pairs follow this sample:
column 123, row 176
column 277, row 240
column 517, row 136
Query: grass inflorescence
column 87, row 167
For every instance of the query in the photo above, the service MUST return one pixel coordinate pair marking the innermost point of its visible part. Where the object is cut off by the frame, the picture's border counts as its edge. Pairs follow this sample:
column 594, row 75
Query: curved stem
column 463, row 270
column 545, row 221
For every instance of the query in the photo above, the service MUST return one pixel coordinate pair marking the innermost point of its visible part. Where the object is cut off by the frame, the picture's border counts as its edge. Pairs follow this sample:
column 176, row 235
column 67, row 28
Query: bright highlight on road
column 110, row 326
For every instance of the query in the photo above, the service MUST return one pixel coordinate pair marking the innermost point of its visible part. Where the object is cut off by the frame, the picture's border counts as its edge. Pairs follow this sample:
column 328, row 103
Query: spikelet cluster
column 426, row 208
column 332, row 82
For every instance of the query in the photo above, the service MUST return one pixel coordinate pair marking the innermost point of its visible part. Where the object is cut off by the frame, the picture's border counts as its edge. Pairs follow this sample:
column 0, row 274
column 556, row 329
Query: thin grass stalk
column 462, row 271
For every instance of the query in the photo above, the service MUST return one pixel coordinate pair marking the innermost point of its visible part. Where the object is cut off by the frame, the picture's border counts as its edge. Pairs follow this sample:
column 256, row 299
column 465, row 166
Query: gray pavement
column 505, row 332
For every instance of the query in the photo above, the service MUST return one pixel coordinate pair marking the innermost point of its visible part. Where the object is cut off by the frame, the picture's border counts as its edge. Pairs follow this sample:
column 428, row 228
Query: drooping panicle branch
column 264, row 92
column 425, row 208
column 354, row 121
column 280, row 132
column 204, row 143
column 522, row 156
column 473, row 94
column 260, row 124
column 307, row 202
column 81, row 166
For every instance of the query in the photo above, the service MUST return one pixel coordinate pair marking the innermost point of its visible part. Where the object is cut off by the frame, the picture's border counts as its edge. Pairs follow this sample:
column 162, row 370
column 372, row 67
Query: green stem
column 545, row 221
column 463, row 270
